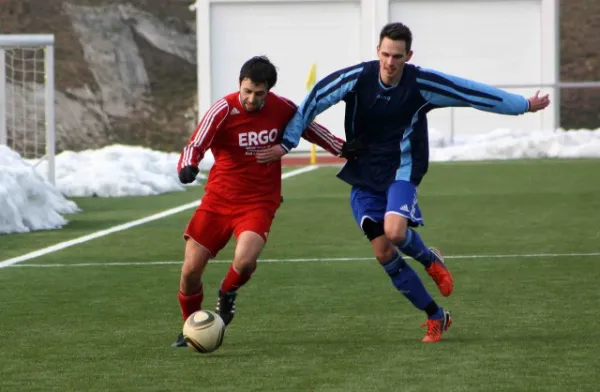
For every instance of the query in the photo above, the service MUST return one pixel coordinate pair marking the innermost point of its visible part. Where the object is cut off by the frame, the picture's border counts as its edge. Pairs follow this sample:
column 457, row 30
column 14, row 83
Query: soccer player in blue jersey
column 388, row 153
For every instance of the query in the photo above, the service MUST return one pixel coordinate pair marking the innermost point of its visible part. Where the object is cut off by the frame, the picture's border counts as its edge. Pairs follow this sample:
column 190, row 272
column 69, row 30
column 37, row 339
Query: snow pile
column 509, row 144
column 27, row 202
column 117, row 171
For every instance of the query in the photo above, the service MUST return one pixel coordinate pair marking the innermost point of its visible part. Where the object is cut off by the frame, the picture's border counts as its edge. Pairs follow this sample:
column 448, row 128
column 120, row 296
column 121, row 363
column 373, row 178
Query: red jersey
column 235, row 135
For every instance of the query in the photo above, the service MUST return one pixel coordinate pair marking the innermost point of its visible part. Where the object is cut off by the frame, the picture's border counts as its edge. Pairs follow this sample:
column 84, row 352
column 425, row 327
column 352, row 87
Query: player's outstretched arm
column 200, row 141
column 444, row 90
column 326, row 93
column 319, row 135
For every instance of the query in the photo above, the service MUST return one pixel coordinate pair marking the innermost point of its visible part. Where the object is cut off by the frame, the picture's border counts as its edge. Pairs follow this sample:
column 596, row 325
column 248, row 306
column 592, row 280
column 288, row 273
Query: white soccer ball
column 203, row 331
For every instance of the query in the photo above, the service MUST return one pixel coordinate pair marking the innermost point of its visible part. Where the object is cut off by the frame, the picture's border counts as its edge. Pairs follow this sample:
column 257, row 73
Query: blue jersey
column 391, row 120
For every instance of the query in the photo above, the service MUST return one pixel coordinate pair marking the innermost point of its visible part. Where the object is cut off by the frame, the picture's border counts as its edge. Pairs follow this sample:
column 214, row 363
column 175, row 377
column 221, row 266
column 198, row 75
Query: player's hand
column 538, row 103
column 271, row 154
column 188, row 174
column 353, row 149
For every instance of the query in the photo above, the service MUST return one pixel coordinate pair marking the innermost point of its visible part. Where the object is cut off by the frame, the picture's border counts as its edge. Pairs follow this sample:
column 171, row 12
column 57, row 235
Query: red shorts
column 212, row 225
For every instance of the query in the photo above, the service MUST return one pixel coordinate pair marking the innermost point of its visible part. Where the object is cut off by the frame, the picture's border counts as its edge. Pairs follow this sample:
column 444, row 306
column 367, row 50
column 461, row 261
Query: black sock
column 431, row 309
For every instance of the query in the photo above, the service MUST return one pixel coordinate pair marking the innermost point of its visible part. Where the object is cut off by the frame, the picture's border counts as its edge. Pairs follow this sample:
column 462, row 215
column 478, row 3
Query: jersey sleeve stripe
column 204, row 125
column 203, row 128
column 453, row 94
column 325, row 135
column 322, row 97
column 472, row 93
column 186, row 156
column 209, row 119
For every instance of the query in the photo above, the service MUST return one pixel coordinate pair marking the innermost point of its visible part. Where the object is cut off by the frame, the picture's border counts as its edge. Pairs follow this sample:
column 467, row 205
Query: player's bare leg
column 410, row 243
column 383, row 250
column 405, row 279
column 195, row 260
column 395, row 227
column 248, row 248
column 190, row 284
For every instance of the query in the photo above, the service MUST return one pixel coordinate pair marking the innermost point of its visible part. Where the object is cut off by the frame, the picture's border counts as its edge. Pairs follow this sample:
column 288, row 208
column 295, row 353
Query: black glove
column 353, row 149
column 188, row 174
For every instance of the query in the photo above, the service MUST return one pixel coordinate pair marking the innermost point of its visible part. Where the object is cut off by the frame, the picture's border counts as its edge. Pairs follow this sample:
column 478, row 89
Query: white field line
column 124, row 226
column 308, row 260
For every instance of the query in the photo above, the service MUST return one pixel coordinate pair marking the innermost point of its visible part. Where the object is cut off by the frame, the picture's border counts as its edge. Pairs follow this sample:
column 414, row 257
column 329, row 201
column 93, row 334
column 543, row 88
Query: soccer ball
column 203, row 331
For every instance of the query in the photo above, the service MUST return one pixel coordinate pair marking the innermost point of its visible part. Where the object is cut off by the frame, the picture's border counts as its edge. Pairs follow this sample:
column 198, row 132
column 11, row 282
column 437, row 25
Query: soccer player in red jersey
column 241, row 194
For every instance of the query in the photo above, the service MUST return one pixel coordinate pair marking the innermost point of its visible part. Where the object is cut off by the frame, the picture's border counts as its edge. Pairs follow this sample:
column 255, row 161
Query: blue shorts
column 400, row 199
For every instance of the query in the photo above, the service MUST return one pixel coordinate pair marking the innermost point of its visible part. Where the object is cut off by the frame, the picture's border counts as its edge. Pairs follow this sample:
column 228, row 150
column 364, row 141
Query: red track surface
column 304, row 159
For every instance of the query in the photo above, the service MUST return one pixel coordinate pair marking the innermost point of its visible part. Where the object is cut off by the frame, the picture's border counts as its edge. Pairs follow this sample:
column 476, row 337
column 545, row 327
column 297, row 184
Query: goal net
column 27, row 98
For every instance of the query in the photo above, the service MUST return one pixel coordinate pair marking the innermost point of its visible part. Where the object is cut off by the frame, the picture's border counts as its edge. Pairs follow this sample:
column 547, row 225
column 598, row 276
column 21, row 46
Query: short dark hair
column 260, row 70
column 397, row 32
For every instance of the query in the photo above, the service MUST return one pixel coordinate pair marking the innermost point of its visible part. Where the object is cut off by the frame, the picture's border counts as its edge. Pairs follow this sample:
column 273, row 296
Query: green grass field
column 100, row 316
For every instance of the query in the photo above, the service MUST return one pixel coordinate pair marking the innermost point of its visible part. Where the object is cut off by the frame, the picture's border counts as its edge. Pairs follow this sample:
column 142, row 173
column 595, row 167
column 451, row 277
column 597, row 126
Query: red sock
column 234, row 280
column 190, row 303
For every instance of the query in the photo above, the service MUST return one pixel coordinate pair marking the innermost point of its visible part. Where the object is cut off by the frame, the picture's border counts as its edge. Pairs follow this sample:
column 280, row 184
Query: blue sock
column 414, row 247
column 394, row 265
column 437, row 315
column 408, row 283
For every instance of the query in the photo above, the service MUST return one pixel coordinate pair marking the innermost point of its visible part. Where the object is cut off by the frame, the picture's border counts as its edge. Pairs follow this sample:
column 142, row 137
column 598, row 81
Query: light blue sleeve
column 326, row 93
column 445, row 90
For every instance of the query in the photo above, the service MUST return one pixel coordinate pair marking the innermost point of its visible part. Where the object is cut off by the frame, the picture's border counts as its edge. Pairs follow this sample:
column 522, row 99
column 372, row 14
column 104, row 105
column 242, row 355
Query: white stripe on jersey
column 203, row 128
column 328, row 137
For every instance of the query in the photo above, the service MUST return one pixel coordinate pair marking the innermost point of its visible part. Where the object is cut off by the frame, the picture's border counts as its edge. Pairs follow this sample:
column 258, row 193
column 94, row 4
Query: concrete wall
column 492, row 41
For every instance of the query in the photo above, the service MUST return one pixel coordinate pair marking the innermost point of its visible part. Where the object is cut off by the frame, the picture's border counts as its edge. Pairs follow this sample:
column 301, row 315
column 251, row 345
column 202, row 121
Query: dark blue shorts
column 400, row 199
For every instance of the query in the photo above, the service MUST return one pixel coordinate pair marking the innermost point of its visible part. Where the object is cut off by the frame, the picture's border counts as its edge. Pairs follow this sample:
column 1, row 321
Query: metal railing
column 556, row 98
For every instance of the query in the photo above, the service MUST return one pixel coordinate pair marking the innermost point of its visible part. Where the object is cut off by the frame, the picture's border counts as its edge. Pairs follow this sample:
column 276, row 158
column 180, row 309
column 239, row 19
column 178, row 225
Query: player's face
column 392, row 57
column 252, row 96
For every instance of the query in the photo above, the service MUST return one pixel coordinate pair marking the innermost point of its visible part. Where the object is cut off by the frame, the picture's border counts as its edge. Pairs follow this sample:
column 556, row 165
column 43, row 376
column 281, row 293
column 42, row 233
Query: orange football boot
column 435, row 328
column 440, row 273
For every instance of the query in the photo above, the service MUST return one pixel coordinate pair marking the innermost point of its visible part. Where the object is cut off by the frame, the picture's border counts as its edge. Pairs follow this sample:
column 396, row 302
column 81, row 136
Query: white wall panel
column 293, row 35
column 493, row 41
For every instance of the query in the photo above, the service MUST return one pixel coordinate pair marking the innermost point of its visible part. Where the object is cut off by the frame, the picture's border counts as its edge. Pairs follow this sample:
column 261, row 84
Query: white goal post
column 27, row 117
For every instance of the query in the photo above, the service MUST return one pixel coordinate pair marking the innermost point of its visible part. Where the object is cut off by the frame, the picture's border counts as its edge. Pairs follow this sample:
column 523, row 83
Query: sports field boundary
column 125, row 226
column 307, row 260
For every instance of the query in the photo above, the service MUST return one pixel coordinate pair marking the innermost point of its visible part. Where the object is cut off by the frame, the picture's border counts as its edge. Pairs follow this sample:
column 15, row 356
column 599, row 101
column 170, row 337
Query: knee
column 192, row 268
column 384, row 256
column 245, row 266
column 384, row 253
column 396, row 236
column 395, row 233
